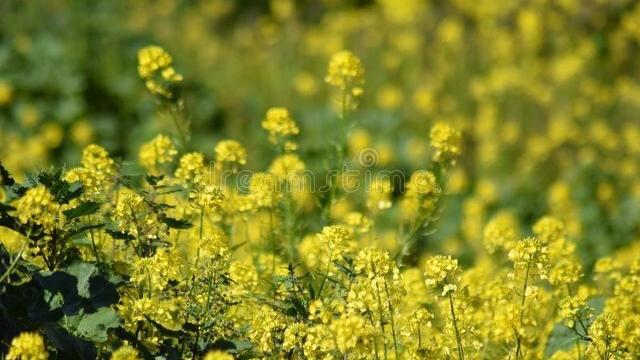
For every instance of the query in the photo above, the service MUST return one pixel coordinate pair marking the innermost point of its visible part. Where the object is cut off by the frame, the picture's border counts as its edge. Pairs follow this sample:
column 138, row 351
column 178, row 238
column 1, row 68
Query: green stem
column 375, row 341
column 326, row 274
column 455, row 327
column 174, row 113
column 384, row 334
column 578, row 346
column 393, row 324
column 95, row 248
column 199, row 245
column 14, row 262
column 524, row 297
column 290, row 224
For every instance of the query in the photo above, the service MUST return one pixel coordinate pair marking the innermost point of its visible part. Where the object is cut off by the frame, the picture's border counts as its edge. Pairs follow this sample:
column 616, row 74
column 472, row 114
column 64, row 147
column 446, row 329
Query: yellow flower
column 97, row 173
column 439, row 269
column 230, row 152
column 346, row 74
column 82, row 132
column 6, row 92
column 352, row 334
column 549, row 228
column 287, row 166
column 191, row 168
column 573, row 308
column 207, row 197
column 265, row 189
column 531, row 256
column 345, row 70
column 379, row 194
column 154, row 66
column 217, row 355
column 335, row 237
column 125, row 352
column 279, row 123
column 358, row 222
column 151, row 59
column 446, row 141
column 423, row 182
column 39, row 207
column 389, row 97
column 28, row 346
column 371, row 262
column 305, row 84
column 158, row 151
column 501, row 232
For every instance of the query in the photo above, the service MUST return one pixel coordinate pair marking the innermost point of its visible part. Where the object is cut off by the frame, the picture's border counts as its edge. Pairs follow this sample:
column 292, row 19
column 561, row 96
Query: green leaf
column 5, row 177
column 175, row 223
column 83, row 272
column 94, row 326
column 561, row 338
column 154, row 180
column 76, row 232
column 85, row 208
column 6, row 208
column 237, row 246
column 119, row 235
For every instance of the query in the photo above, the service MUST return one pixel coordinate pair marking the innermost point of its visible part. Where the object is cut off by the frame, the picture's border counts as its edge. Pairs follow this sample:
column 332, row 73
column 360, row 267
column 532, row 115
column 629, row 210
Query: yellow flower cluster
column 38, row 207
column 501, row 232
column 335, row 238
column 346, row 74
column 154, row 67
column 446, row 141
column 136, row 218
column 207, row 196
column 287, row 167
column 265, row 189
column 218, row 355
column 28, row 346
column 531, row 256
column 441, row 269
column 379, row 194
column 230, row 152
column 279, row 124
column 97, row 173
column 125, row 352
column 345, row 70
column 423, row 183
column 157, row 152
column 191, row 168
column 274, row 270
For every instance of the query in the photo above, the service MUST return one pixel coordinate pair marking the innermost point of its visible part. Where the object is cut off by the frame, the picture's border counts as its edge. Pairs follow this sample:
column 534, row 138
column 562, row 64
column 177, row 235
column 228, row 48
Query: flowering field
column 373, row 179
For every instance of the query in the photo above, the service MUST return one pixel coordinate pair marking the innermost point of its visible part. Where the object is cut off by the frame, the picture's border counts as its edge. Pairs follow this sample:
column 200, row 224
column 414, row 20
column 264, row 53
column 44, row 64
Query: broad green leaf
column 94, row 326
column 83, row 272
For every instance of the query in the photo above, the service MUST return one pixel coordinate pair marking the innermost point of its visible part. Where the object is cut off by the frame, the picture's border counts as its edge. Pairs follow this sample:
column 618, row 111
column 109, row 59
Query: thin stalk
column 193, row 276
column 524, row 297
column 455, row 327
column 384, row 334
column 375, row 341
column 14, row 262
column 95, row 248
column 173, row 113
column 578, row 346
column 290, row 224
column 326, row 274
column 393, row 324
